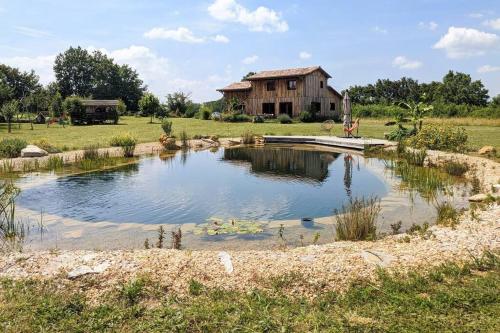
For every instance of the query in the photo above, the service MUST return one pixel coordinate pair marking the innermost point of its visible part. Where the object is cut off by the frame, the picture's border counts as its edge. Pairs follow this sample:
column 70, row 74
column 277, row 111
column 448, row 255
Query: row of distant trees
column 455, row 88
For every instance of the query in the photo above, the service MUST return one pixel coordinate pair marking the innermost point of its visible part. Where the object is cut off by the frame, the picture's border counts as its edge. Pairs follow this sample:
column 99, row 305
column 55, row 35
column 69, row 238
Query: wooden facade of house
column 289, row 91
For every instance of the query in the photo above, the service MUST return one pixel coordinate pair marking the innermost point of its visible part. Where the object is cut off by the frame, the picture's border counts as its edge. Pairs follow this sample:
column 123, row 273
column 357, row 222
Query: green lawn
column 451, row 298
column 481, row 132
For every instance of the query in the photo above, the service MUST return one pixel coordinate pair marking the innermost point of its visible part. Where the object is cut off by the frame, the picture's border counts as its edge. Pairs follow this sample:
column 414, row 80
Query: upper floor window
column 332, row 106
column 291, row 84
column 271, row 85
column 321, row 84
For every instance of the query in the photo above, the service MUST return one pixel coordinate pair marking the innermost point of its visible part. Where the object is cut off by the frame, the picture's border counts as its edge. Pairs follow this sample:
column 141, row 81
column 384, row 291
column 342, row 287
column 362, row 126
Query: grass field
column 452, row 297
column 481, row 131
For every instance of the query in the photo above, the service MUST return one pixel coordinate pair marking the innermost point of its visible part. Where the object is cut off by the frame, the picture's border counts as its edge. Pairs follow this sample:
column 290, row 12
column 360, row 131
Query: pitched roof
column 291, row 72
column 334, row 91
column 236, row 86
column 100, row 102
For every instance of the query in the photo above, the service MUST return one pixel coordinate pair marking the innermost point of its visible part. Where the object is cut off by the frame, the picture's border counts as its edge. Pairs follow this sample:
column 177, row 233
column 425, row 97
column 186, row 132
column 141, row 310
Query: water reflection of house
column 307, row 164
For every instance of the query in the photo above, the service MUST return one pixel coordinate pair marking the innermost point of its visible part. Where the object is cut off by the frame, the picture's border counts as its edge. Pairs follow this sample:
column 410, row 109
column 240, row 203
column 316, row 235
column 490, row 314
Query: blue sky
column 198, row 46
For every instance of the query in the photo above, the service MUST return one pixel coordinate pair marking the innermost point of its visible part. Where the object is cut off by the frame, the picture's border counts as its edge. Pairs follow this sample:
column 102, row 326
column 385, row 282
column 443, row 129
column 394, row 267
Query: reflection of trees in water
column 103, row 175
column 284, row 161
column 348, row 174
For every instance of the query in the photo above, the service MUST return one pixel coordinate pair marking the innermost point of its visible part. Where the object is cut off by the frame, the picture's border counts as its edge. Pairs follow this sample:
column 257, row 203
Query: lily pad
column 217, row 226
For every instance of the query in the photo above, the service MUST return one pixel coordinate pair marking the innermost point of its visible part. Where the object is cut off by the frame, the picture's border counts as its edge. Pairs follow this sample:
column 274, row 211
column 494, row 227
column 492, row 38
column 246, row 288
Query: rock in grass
column 33, row 151
column 486, row 150
column 225, row 259
column 478, row 197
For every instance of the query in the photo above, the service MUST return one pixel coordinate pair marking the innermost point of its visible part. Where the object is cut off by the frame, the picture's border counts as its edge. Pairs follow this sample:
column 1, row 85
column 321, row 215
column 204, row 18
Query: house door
column 268, row 108
column 286, row 107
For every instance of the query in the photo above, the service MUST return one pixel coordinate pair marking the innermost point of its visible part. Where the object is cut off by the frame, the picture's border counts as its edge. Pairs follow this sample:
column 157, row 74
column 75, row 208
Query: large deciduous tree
column 9, row 111
column 79, row 72
column 178, row 103
column 16, row 84
column 458, row 88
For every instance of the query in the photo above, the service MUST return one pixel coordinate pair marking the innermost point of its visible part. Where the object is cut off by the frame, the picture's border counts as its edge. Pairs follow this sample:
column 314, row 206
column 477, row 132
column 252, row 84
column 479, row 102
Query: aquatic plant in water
column 217, row 226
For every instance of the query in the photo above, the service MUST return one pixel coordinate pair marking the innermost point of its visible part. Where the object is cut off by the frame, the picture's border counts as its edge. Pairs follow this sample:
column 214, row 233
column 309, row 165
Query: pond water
column 275, row 186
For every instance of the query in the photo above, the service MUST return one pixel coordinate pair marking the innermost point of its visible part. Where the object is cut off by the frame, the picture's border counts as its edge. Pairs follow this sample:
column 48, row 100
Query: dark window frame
column 321, row 84
column 333, row 106
column 266, row 107
column 271, row 85
column 289, row 86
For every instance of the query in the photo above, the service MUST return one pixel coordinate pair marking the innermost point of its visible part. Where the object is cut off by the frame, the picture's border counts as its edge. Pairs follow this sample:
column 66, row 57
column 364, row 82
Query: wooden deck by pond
column 333, row 141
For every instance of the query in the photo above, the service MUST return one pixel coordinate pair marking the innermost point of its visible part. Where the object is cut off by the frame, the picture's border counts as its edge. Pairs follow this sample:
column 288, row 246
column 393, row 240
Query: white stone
column 33, row 151
column 225, row 259
column 84, row 269
column 478, row 197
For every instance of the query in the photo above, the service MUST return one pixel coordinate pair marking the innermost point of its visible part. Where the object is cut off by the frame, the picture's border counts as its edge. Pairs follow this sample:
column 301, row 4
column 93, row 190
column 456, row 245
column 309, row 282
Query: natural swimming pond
column 274, row 184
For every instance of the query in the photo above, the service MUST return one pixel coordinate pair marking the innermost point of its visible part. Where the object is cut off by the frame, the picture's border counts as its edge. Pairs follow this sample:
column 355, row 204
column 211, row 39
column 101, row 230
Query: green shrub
column 133, row 291
column 439, row 137
column 121, row 108
column 356, row 221
column 45, row 145
column 166, row 126
column 11, row 147
column 306, row 117
column 184, row 139
column 205, row 112
column 284, row 119
column 126, row 141
column 400, row 133
column 236, row 118
column 258, row 119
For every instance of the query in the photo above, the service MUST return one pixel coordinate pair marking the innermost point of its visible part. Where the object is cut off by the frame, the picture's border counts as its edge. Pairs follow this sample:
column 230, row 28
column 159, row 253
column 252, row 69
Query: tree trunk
column 9, row 126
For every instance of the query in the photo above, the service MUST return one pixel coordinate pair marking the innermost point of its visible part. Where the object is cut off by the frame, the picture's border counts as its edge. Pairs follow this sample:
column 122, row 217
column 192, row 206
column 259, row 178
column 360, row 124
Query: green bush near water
column 11, row 148
column 437, row 137
column 127, row 142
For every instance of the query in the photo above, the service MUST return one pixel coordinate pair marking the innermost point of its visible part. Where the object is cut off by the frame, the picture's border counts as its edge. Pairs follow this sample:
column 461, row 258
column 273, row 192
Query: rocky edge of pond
column 321, row 267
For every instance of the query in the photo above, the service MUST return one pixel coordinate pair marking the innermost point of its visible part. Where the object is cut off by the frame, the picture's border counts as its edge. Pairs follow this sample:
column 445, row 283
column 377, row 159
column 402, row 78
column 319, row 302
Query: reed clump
column 248, row 138
column 357, row 220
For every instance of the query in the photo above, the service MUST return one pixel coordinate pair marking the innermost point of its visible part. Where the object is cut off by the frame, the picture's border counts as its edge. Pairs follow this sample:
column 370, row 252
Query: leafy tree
column 458, row 88
column 81, row 73
column 20, row 83
column 416, row 111
column 74, row 71
column 495, row 101
column 247, row 76
column 178, row 103
column 56, row 106
column 9, row 111
column 121, row 108
column 74, row 107
column 5, row 92
column 149, row 105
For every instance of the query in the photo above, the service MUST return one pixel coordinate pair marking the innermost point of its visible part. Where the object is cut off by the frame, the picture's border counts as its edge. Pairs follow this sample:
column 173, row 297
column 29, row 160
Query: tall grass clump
column 91, row 159
column 248, row 138
column 12, row 232
column 184, row 139
column 166, row 126
column 447, row 215
column 127, row 142
column 11, row 147
column 415, row 157
column 356, row 220
column 455, row 168
column 54, row 163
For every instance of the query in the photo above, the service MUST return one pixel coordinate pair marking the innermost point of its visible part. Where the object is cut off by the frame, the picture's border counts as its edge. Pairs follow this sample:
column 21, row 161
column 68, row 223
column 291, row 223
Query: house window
column 291, row 84
column 268, row 108
column 332, row 106
column 315, row 107
column 321, row 84
column 286, row 108
column 271, row 85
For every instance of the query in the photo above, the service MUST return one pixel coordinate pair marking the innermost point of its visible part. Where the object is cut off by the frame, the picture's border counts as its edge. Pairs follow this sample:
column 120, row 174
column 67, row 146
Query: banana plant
column 416, row 112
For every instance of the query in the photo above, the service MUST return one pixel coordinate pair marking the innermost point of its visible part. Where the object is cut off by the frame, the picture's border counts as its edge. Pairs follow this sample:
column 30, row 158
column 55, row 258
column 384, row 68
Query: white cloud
column 261, row 19
column 402, row 62
column 476, row 15
column 30, row 32
column 220, row 39
column 466, row 42
column 380, row 30
column 180, row 34
column 42, row 65
column 493, row 24
column 305, row 55
column 250, row 60
column 488, row 69
column 428, row 25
